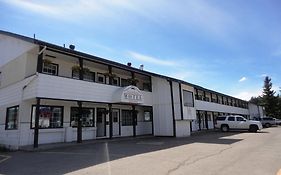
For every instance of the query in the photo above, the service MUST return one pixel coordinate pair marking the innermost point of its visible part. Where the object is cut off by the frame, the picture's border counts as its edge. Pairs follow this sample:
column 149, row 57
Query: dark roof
column 61, row 49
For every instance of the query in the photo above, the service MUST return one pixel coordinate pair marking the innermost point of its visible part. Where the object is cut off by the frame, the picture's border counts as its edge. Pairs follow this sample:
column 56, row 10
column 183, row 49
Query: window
column 146, row 87
column 12, row 118
column 231, row 118
column 75, row 74
column 115, row 115
column 89, row 76
column 125, row 82
column 87, row 117
column 240, row 119
column 50, row 68
column 147, row 116
column 49, row 116
column 127, row 118
column 221, row 118
column 116, row 81
column 100, row 78
column 188, row 98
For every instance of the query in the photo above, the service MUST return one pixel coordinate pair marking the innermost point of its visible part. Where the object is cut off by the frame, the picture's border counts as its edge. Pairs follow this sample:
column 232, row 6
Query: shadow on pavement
column 75, row 157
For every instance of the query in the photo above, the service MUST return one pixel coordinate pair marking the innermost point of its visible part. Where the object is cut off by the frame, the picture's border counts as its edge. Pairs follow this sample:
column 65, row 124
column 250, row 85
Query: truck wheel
column 224, row 128
column 267, row 125
column 253, row 128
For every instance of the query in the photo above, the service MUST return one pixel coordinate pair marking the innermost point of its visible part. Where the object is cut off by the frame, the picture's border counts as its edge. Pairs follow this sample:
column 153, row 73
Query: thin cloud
column 246, row 95
column 199, row 14
column 150, row 59
column 242, row 79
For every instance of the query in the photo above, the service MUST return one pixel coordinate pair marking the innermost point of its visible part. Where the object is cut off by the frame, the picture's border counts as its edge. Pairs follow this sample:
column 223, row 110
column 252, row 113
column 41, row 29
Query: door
column 116, row 122
column 241, row 123
column 101, row 122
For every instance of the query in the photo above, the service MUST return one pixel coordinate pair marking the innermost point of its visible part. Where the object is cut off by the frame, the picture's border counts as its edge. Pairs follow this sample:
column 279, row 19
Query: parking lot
column 210, row 152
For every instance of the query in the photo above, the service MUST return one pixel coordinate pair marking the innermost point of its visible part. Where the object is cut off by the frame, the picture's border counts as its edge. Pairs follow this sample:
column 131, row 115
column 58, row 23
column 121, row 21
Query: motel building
column 52, row 94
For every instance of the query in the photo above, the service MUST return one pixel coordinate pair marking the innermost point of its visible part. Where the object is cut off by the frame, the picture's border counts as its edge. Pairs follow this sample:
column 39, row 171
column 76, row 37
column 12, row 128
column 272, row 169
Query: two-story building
column 50, row 94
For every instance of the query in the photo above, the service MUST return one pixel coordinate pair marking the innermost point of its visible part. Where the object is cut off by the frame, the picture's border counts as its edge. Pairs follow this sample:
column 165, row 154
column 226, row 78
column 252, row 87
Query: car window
column 221, row 118
column 231, row 119
column 240, row 119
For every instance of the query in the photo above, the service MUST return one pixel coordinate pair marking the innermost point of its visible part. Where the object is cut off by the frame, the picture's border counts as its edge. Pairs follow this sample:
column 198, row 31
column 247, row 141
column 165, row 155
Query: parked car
column 225, row 123
column 277, row 121
column 266, row 121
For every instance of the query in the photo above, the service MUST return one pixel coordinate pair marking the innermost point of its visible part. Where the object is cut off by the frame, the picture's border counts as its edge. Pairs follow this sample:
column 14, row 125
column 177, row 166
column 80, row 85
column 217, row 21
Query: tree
column 269, row 100
column 256, row 100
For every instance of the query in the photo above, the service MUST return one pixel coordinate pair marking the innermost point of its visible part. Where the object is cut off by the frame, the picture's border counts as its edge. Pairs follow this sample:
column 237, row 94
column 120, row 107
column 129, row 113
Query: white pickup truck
column 238, row 122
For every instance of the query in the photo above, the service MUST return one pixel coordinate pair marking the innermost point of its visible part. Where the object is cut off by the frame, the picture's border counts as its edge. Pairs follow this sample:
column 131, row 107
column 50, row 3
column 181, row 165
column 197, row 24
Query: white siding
column 176, row 97
column 208, row 106
column 11, row 48
column 66, row 88
column 162, row 110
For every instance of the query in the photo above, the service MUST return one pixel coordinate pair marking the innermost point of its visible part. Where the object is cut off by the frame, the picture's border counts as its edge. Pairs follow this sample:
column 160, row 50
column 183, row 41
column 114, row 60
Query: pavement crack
column 184, row 163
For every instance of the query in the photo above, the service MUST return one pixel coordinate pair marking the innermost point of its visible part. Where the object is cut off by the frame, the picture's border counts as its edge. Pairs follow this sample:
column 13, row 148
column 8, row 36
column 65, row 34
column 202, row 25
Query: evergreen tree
column 269, row 100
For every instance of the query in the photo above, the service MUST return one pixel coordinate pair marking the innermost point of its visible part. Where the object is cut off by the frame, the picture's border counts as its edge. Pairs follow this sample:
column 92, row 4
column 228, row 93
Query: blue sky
column 227, row 46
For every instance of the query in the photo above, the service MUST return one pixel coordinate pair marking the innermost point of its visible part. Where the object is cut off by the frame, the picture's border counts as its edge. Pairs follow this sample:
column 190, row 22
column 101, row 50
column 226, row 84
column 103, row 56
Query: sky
column 223, row 45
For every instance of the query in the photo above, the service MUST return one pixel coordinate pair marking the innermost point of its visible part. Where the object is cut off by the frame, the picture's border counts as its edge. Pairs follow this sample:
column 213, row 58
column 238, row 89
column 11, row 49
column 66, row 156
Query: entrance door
column 101, row 122
column 116, row 122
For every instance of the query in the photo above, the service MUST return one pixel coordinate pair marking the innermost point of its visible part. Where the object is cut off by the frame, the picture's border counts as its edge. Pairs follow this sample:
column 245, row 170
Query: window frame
column 127, row 122
column 192, row 94
column 54, row 64
column 94, row 116
column 126, row 80
column 118, row 81
column 104, row 78
column 52, row 106
column 6, row 122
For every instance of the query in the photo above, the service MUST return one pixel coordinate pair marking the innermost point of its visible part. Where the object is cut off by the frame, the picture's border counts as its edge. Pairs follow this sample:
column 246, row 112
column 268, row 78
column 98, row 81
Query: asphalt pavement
column 211, row 152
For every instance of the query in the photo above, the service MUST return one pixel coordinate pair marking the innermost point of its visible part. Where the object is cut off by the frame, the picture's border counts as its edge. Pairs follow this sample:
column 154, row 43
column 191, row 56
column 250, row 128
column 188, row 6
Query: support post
column 110, row 73
column 79, row 126
column 36, row 127
column 173, row 108
column 40, row 60
column 206, row 120
column 134, row 120
column 133, row 78
column 81, row 71
column 110, row 121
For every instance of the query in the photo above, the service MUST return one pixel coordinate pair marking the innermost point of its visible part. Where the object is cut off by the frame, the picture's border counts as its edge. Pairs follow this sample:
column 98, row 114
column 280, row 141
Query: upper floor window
column 146, row 86
column 50, row 68
column 125, row 82
column 116, row 81
column 12, row 118
column 101, row 78
column 188, row 98
column 89, row 76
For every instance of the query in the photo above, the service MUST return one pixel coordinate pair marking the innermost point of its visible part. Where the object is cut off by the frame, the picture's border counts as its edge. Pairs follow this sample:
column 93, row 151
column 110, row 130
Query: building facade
column 52, row 94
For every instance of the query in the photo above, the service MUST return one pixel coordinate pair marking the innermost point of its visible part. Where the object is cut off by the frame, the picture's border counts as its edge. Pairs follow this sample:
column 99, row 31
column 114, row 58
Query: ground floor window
column 127, row 118
column 49, row 116
column 12, row 118
column 87, row 117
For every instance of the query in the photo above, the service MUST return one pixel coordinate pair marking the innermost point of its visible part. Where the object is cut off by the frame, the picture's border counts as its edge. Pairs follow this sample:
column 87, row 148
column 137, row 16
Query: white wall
column 255, row 110
column 162, row 110
column 209, row 106
column 11, row 48
column 66, row 88
column 182, row 128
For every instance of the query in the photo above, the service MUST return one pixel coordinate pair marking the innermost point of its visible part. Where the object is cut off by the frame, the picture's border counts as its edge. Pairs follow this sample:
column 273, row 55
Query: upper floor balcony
column 56, row 87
